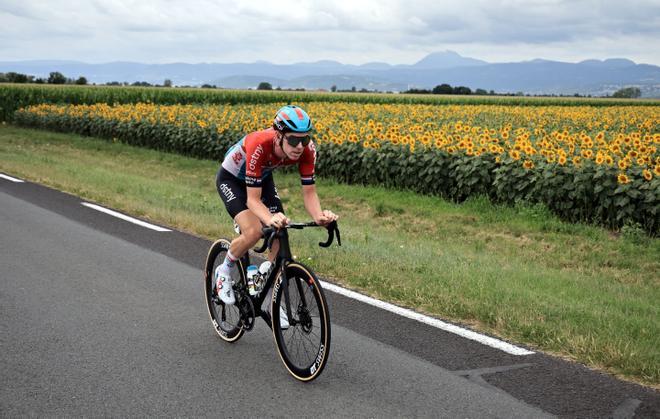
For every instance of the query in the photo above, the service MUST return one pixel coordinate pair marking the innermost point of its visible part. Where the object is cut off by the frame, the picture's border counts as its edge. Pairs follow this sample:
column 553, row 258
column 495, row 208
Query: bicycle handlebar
column 269, row 234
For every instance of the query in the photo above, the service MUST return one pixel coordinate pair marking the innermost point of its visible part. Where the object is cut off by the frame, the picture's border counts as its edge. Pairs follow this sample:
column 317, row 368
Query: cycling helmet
column 292, row 118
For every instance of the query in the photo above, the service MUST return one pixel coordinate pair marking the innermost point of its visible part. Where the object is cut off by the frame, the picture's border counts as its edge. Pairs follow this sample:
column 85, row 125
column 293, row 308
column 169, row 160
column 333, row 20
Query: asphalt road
column 100, row 317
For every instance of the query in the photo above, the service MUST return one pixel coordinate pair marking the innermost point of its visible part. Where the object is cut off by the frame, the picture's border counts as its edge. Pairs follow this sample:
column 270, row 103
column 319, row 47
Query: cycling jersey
column 253, row 158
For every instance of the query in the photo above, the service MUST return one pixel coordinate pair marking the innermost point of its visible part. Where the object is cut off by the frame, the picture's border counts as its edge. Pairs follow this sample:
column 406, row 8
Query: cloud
column 395, row 31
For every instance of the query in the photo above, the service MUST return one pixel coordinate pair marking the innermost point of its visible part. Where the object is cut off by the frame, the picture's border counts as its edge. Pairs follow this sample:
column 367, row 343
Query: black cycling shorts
column 233, row 193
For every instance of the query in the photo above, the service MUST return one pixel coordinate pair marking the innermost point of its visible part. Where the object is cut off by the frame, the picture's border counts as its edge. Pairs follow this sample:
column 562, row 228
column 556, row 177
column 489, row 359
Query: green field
column 579, row 291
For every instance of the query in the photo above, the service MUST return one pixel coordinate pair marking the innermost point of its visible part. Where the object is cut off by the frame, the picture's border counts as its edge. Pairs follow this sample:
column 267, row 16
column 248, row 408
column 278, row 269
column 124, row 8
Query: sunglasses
column 294, row 141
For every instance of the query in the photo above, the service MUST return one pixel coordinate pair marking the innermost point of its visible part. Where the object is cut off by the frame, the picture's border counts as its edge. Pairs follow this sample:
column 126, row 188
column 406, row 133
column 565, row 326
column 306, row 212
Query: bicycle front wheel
column 299, row 303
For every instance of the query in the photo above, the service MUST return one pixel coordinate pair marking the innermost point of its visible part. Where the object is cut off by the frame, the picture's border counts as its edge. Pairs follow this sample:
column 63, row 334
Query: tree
column 56, row 77
column 462, row 90
column 167, row 83
column 333, row 88
column 416, row 91
column 628, row 92
column 264, row 85
column 481, row 92
column 443, row 89
column 81, row 80
column 13, row 77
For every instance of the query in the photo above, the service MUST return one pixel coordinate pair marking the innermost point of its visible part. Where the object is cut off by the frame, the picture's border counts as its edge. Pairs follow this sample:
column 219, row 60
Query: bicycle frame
column 283, row 258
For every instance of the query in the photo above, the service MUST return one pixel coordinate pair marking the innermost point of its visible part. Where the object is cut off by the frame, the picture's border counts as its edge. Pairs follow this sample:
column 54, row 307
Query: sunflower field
column 586, row 163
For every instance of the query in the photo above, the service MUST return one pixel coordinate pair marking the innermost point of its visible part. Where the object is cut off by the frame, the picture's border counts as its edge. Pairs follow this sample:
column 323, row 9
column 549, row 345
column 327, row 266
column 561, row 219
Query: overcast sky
column 349, row 31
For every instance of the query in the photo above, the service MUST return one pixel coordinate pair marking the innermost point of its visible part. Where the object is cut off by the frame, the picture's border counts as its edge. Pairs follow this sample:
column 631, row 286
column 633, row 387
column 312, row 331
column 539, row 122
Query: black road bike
column 304, row 345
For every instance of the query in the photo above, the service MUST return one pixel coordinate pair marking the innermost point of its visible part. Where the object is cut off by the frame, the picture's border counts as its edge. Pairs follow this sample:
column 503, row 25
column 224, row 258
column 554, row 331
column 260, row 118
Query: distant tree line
column 446, row 89
column 56, row 77
column 628, row 92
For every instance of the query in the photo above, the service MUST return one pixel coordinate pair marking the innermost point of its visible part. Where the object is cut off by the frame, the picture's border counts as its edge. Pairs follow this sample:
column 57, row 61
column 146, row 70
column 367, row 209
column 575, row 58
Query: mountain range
column 538, row 76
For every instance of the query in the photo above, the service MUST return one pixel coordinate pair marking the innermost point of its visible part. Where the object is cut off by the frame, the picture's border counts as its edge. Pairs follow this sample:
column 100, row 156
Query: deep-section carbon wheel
column 304, row 346
column 226, row 319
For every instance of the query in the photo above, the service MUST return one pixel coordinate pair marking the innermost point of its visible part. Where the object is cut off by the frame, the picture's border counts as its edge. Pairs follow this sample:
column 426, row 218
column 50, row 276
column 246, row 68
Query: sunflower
column 622, row 179
column 647, row 174
column 528, row 164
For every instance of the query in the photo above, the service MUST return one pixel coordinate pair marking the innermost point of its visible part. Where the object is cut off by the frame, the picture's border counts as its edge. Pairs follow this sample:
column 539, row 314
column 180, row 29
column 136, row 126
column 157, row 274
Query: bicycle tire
column 311, row 335
column 228, row 329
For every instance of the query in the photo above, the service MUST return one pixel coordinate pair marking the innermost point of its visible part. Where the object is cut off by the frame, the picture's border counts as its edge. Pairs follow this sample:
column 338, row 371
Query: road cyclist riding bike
column 246, row 187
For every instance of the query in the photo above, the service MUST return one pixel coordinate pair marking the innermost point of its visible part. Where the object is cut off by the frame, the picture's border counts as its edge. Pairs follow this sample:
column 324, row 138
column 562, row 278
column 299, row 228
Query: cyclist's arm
column 256, row 206
column 310, row 197
column 313, row 206
column 312, row 203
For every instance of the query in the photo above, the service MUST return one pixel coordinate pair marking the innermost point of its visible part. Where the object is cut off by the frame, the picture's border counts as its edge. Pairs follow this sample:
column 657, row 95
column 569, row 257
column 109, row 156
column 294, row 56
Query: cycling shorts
column 233, row 193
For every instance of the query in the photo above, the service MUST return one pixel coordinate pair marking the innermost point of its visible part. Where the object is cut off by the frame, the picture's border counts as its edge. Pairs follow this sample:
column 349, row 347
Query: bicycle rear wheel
column 226, row 319
column 304, row 346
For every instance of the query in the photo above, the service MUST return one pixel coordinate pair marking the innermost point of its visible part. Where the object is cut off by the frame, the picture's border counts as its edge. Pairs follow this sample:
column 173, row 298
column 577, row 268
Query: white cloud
column 349, row 31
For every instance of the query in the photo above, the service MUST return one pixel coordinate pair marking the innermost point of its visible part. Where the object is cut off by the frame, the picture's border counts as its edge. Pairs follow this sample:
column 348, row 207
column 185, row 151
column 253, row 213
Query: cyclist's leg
column 271, row 200
column 250, row 226
column 234, row 195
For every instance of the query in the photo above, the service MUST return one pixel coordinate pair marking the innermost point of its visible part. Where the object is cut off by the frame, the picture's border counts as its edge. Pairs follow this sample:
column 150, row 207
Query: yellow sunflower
column 622, row 179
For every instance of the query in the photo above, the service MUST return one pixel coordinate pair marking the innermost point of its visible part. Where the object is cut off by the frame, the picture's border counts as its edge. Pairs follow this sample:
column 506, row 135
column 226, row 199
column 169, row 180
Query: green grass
column 579, row 291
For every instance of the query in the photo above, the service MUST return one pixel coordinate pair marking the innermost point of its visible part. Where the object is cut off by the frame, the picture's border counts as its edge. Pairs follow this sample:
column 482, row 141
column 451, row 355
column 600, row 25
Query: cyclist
column 245, row 184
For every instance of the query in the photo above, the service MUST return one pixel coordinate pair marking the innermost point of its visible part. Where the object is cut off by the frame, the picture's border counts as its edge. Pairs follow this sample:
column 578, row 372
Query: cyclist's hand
column 279, row 220
column 326, row 218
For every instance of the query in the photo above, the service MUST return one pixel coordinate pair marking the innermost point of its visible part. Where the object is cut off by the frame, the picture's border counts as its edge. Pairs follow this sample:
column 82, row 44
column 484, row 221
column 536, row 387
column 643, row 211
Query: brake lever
column 269, row 234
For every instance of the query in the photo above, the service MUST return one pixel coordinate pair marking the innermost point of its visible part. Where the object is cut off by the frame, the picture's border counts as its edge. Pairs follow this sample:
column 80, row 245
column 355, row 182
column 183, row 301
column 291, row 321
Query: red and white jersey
column 253, row 158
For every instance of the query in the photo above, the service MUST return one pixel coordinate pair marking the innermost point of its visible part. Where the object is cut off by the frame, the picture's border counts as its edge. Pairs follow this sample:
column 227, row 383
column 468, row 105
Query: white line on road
column 124, row 217
column 13, row 179
column 448, row 327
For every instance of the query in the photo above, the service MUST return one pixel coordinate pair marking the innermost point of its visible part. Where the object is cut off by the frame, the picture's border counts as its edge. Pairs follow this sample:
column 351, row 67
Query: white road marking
column 468, row 334
column 124, row 217
column 13, row 179
column 448, row 327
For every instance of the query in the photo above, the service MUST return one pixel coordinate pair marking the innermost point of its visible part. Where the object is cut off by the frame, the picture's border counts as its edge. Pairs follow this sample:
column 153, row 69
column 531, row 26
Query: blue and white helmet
column 292, row 118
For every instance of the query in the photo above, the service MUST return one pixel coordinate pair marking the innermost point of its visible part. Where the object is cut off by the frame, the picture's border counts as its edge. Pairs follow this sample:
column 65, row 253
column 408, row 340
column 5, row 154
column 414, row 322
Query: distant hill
column 447, row 59
column 538, row 76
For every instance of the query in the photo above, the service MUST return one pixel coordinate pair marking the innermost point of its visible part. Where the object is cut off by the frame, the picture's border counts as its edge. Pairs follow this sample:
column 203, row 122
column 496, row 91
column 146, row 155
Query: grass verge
column 578, row 291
